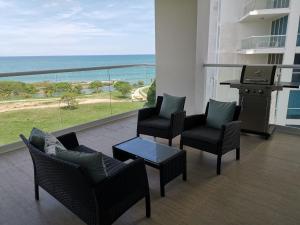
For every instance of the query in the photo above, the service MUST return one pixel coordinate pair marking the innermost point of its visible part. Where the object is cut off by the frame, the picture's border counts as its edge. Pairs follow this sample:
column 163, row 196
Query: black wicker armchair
column 216, row 141
column 150, row 123
column 95, row 204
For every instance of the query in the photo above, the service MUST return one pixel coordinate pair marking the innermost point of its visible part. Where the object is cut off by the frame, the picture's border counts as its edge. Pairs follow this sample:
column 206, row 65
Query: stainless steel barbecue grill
column 255, row 88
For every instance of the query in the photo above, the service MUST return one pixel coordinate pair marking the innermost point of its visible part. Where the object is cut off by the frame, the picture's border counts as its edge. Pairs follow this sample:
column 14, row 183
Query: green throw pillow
column 44, row 141
column 219, row 113
column 37, row 138
column 171, row 104
column 51, row 143
column 92, row 163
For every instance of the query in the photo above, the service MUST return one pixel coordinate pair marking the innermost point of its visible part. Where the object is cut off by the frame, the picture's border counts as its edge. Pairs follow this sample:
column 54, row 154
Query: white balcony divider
column 252, row 5
column 261, row 42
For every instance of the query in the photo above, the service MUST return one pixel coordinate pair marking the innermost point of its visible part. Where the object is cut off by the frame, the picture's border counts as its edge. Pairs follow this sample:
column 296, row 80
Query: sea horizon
column 31, row 63
column 12, row 56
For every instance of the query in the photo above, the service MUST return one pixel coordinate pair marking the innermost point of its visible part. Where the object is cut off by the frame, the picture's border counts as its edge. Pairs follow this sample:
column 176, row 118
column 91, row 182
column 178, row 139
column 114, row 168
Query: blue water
column 18, row 64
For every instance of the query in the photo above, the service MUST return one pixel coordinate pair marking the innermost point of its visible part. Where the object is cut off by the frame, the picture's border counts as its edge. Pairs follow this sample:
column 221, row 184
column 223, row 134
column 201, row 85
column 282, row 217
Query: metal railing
column 261, row 42
column 252, row 5
column 61, row 99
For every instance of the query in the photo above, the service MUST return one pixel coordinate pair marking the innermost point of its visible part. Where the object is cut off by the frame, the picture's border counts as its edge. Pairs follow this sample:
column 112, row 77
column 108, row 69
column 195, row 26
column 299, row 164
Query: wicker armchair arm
column 69, row 140
column 194, row 120
column 146, row 113
column 231, row 135
column 128, row 184
column 177, row 122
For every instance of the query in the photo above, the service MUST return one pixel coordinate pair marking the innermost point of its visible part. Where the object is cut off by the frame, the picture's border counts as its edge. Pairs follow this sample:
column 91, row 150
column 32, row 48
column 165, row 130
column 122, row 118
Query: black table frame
column 169, row 169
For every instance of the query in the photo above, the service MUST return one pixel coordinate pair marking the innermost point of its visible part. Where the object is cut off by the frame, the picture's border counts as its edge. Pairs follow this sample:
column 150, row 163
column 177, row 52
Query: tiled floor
column 262, row 188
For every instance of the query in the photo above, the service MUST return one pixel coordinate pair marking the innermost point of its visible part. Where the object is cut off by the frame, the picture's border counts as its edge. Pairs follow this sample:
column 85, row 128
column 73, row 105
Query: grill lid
column 258, row 75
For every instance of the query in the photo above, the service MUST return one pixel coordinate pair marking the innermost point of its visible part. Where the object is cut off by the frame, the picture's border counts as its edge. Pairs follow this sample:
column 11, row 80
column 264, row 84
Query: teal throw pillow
column 44, row 141
column 37, row 138
column 92, row 163
column 219, row 113
column 171, row 104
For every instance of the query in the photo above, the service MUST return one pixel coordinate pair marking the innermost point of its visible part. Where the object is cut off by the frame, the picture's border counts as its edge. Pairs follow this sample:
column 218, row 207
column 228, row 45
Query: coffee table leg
column 184, row 168
column 162, row 183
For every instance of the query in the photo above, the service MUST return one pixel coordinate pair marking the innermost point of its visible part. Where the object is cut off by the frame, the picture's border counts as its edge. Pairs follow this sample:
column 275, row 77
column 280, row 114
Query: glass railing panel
column 130, row 88
column 84, row 97
column 26, row 102
column 289, row 101
column 58, row 101
column 261, row 42
column 298, row 40
column 217, row 91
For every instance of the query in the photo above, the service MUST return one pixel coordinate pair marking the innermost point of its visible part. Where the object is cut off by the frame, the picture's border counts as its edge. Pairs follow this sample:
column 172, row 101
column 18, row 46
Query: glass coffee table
column 171, row 162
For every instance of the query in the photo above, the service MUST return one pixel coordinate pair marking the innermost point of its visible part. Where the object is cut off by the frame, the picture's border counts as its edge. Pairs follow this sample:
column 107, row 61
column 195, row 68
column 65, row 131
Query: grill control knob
column 260, row 91
column 246, row 90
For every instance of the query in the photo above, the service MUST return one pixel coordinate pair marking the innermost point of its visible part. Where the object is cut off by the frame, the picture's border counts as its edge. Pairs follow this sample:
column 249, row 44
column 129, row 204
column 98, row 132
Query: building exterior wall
column 233, row 31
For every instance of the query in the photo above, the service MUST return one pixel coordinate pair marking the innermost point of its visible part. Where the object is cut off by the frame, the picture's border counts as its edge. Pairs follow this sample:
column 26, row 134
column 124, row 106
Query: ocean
column 31, row 63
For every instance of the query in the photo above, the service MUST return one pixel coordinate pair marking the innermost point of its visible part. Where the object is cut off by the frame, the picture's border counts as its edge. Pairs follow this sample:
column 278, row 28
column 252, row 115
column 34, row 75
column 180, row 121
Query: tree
column 140, row 83
column 151, row 95
column 70, row 100
column 16, row 88
column 123, row 87
column 96, row 85
column 30, row 89
column 49, row 89
column 63, row 87
column 77, row 89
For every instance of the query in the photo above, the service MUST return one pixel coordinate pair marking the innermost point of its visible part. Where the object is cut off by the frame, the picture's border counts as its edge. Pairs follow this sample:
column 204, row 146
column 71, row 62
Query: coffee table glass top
column 148, row 150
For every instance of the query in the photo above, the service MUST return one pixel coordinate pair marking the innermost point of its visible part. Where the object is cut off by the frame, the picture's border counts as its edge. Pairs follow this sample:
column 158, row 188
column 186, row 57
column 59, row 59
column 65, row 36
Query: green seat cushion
column 92, row 163
column 219, row 113
column 171, row 104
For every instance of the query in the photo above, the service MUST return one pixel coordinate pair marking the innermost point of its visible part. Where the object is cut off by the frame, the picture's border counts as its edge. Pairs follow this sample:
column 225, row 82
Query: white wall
column 177, row 61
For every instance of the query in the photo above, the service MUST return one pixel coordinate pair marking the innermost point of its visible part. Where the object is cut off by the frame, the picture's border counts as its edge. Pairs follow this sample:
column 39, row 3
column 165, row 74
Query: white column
column 289, row 55
column 201, row 82
column 176, row 34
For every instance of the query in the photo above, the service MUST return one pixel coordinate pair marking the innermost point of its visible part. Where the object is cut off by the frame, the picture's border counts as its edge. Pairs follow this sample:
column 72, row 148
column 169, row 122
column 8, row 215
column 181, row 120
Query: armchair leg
column 219, row 164
column 170, row 142
column 137, row 134
column 36, row 192
column 238, row 154
column 181, row 144
column 148, row 206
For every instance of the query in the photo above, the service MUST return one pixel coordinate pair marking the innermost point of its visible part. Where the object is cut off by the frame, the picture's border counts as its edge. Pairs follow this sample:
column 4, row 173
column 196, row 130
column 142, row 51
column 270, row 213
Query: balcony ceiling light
column 253, row 13
column 250, row 51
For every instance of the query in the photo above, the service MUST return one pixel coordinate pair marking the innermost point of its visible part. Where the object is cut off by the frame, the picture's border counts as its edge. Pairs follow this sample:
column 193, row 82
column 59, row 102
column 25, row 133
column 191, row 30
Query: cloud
column 72, row 12
column 5, row 4
column 44, row 26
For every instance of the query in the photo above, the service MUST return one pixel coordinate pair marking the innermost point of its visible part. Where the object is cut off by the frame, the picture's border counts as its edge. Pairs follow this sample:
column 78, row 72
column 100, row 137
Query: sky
column 76, row 27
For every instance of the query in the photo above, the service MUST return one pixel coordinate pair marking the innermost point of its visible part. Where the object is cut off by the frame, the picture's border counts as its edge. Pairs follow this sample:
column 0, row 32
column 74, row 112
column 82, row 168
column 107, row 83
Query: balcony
column 267, row 169
column 265, row 176
column 258, row 10
column 267, row 44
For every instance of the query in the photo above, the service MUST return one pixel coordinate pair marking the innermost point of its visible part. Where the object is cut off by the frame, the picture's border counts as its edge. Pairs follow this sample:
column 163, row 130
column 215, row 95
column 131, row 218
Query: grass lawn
column 15, row 122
